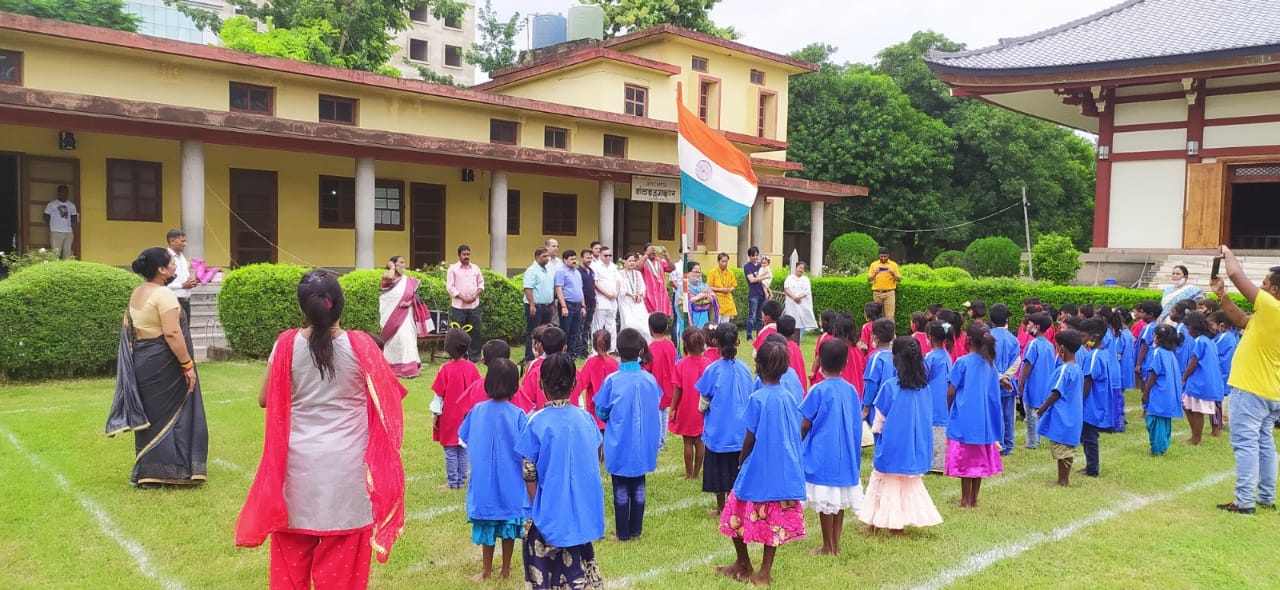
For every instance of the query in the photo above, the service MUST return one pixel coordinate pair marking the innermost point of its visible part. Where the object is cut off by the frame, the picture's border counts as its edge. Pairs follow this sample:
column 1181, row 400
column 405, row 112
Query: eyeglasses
column 607, row 255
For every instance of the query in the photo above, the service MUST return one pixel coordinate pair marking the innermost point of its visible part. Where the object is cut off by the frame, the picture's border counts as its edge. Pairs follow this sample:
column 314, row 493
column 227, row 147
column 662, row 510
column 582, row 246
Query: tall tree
column 495, row 47
column 364, row 27
column 904, row 63
column 622, row 16
column 99, row 13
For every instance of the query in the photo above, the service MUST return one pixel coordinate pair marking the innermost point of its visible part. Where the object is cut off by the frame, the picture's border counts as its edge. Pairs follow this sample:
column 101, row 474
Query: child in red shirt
column 662, row 365
column 593, row 373
column 787, row 328
column 491, row 351
column 686, row 420
column 450, row 405
column 769, row 313
column 546, row 340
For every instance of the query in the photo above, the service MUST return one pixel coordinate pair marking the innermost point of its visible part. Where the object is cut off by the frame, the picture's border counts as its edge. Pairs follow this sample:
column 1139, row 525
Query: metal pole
column 1026, row 224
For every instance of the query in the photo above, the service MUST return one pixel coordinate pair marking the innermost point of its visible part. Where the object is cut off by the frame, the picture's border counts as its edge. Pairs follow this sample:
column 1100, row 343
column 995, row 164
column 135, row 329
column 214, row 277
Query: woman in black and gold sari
column 157, row 392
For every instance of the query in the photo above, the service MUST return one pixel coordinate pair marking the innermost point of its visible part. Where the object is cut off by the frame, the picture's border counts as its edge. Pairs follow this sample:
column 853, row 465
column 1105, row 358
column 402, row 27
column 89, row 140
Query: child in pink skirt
column 765, row 505
column 896, row 497
column 975, row 424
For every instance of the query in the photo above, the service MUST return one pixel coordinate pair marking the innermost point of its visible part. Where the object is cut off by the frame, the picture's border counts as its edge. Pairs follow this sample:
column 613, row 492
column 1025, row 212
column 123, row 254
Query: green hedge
column 918, row 272
column 949, row 258
column 258, row 302
column 62, row 319
column 852, row 252
column 951, row 274
column 995, row 256
column 362, row 288
column 502, row 308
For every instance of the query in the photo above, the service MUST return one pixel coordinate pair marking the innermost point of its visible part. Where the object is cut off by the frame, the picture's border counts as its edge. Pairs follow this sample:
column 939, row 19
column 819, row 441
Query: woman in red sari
column 329, row 490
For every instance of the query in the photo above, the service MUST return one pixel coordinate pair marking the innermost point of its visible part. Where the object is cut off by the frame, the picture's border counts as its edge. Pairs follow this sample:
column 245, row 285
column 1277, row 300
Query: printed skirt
column 769, row 523
column 547, row 567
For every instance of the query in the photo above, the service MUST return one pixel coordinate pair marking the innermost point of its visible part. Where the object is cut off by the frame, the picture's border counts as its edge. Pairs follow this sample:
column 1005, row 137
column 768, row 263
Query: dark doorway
column 254, row 216
column 633, row 225
column 10, row 189
column 42, row 177
column 1255, row 207
column 426, row 224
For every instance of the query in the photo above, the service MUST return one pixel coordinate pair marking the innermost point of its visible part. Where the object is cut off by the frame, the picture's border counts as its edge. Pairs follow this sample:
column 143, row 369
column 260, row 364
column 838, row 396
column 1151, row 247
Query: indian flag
column 715, row 178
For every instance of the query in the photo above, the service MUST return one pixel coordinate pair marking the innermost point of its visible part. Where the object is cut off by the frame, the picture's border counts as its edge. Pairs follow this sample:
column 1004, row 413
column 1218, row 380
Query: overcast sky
column 861, row 28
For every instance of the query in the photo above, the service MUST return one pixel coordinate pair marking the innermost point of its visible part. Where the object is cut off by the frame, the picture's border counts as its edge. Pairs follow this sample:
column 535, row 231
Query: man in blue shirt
column 755, row 291
column 569, row 298
column 539, row 292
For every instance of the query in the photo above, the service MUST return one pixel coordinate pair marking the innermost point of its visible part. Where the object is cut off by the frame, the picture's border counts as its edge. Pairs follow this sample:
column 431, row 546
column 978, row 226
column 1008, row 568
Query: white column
column 365, row 175
column 757, row 223
column 744, row 241
column 815, row 238
column 606, row 213
column 193, row 196
column 498, row 222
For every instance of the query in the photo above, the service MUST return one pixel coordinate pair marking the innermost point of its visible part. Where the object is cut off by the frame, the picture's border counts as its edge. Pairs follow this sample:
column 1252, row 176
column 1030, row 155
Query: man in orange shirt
column 884, row 278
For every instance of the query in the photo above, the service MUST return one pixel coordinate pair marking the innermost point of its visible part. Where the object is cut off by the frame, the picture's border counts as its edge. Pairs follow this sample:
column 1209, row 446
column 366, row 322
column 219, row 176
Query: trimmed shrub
column 15, row 261
column 996, row 256
column 852, row 252
column 502, row 308
column 948, row 258
column 951, row 274
column 1054, row 258
column 918, row 272
column 362, row 289
column 62, row 319
column 258, row 302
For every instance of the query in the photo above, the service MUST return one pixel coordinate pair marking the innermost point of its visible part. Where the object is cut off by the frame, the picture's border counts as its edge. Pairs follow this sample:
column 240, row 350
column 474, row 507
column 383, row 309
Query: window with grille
column 615, row 146
column 708, row 97
column 556, row 138
column 636, row 100
column 757, row 77
column 337, row 202
column 388, row 204
column 248, row 98
column 10, row 67
column 335, row 109
column 133, row 191
column 559, row 214
column 502, row 131
column 699, row 64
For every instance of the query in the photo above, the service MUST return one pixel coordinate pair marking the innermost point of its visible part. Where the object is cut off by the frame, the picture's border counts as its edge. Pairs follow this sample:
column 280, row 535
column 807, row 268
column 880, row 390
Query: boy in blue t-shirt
column 725, row 387
column 1036, row 371
column 1061, row 414
column 1006, row 365
column 628, row 405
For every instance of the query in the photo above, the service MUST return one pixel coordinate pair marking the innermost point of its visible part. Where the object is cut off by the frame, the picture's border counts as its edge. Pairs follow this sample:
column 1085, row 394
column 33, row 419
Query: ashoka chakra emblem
column 702, row 170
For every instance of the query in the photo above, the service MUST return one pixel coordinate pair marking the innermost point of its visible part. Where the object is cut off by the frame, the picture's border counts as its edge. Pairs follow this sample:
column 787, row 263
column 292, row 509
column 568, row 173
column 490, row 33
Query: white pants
column 606, row 318
column 60, row 242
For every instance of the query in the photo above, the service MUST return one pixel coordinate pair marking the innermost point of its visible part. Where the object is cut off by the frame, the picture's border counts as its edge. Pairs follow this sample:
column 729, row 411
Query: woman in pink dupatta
column 330, row 488
column 654, row 270
column 404, row 319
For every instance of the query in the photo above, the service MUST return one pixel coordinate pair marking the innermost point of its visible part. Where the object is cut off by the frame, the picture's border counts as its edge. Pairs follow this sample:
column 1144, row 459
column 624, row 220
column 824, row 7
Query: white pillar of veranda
column 498, row 222
column 193, row 196
column 365, row 184
column 815, row 237
column 606, row 213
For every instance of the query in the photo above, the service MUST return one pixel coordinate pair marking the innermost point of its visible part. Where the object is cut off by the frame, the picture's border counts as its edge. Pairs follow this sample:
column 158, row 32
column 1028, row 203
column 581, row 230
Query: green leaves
column 495, row 47
column 1054, row 258
column 110, row 14
column 621, row 16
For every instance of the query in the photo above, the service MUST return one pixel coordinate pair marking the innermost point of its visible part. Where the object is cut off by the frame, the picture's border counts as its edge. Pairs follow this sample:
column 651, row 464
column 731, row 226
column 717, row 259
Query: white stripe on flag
column 731, row 186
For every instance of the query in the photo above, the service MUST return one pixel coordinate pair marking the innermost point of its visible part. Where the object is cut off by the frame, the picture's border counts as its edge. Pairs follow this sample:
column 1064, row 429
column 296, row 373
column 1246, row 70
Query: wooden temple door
column 1202, row 220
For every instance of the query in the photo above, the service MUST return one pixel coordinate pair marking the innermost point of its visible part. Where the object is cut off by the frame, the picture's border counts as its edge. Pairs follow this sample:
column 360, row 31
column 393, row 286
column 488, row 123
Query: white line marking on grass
column 681, row 505
column 105, row 407
column 229, row 466
column 981, row 561
column 431, row 513
column 104, row 521
column 656, row 572
column 667, row 469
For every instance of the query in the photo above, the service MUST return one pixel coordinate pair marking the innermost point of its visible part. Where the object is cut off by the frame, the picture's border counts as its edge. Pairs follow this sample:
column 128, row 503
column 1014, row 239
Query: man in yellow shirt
column 884, row 278
column 722, row 283
column 1255, row 386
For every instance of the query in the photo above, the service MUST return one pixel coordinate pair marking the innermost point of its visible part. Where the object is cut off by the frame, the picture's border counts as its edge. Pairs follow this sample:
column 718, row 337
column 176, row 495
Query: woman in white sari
column 631, row 309
column 1180, row 289
column 401, row 315
column 799, row 301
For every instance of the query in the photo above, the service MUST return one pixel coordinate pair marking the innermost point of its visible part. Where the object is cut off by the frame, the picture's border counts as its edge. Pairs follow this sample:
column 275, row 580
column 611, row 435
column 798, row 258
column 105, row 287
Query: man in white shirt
column 60, row 214
column 608, row 286
column 183, row 281
column 554, row 266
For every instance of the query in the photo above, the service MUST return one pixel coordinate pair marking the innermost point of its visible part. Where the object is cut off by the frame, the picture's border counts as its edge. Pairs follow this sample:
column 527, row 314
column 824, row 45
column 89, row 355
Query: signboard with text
column 656, row 189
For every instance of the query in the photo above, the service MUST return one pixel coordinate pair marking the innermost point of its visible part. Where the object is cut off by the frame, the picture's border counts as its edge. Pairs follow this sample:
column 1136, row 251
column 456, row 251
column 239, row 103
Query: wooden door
column 426, row 224
column 634, row 226
column 254, row 216
column 41, row 178
column 1202, row 219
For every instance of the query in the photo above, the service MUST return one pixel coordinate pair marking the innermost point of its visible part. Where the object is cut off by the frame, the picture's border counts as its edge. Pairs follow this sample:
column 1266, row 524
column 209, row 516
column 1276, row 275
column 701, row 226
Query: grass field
column 69, row 519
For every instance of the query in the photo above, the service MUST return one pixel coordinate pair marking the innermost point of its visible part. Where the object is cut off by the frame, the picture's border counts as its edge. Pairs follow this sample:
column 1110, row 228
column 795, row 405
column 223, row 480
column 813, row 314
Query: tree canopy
column 621, row 16
column 931, row 162
column 495, row 46
column 99, row 13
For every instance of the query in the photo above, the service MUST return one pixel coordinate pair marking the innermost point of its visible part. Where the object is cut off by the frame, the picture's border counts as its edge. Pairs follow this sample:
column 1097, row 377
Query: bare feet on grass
column 736, row 571
column 820, row 551
column 760, row 580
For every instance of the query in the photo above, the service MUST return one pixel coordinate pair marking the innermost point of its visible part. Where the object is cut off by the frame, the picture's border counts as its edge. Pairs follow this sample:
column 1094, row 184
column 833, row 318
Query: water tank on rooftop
column 586, row 21
column 548, row 29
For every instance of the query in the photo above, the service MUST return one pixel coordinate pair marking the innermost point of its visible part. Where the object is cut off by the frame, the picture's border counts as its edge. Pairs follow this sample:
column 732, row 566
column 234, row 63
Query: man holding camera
column 884, row 279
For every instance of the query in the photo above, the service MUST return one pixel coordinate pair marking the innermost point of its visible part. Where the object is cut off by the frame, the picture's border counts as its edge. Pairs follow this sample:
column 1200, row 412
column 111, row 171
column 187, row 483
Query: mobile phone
column 1217, row 266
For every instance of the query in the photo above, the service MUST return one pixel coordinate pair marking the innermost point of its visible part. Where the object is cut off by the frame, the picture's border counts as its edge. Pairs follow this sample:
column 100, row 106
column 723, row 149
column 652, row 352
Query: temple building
column 267, row 159
column 1184, row 97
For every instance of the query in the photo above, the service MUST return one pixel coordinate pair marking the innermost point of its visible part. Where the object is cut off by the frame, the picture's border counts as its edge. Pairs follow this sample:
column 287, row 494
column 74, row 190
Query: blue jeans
column 1033, row 437
column 572, row 326
column 1009, row 413
column 662, row 434
column 753, row 315
column 628, row 506
column 1089, row 440
column 455, row 466
column 1252, row 421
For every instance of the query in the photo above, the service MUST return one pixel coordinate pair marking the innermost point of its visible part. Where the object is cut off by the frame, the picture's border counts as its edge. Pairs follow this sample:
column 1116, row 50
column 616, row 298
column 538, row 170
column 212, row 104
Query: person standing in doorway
column 183, row 282
column 539, row 293
column 755, row 290
column 884, row 279
column 608, row 288
column 60, row 214
column 654, row 269
column 465, row 283
column 569, row 299
column 722, row 283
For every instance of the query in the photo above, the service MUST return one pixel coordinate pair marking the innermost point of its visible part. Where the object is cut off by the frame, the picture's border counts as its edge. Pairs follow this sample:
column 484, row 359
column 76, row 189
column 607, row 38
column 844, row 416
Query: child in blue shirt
column 896, row 496
column 724, row 387
column 1227, row 340
column 1036, row 372
column 832, row 446
column 879, row 364
column 766, row 505
column 1202, row 377
column 1007, row 352
column 1100, row 377
column 1062, row 413
column 563, row 480
column 790, row 380
column 628, row 405
column 495, row 492
column 1160, row 388
column 974, row 428
column 937, row 366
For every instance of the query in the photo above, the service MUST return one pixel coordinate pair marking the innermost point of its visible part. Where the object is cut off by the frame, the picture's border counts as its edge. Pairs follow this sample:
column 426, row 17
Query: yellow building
column 266, row 159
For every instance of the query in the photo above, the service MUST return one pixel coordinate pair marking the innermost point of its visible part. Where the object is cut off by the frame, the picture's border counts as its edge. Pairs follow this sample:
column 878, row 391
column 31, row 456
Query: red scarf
column 421, row 315
column 265, row 510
